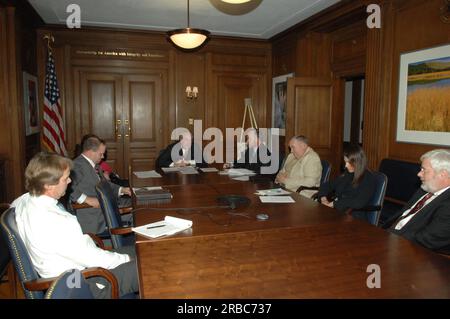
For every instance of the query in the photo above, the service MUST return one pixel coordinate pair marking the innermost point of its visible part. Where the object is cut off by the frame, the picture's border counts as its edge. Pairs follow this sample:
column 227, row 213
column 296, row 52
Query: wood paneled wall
column 337, row 43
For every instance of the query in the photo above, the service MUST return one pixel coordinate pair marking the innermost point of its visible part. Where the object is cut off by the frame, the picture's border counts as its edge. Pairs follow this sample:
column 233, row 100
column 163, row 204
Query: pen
column 155, row 226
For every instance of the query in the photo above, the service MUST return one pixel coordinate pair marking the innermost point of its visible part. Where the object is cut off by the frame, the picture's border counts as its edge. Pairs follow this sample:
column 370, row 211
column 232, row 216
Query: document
column 276, row 199
column 169, row 226
column 188, row 170
column 240, row 172
column 242, row 178
column 149, row 188
column 272, row 192
column 147, row 174
column 170, row 169
column 209, row 169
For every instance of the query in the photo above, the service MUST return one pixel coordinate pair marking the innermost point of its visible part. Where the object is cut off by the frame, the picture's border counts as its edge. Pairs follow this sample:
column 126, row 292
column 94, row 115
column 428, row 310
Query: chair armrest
column 121, row 230
column 38, row 284
column 97, row 240
column 125, row 210
column 312, row 188
column 395, row 201
column 368, row 208
column 105, row 273
column 80, row 206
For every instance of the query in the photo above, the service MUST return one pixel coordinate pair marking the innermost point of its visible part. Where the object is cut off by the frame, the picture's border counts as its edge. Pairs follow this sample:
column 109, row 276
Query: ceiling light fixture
column 188, row 39
column 236, row 1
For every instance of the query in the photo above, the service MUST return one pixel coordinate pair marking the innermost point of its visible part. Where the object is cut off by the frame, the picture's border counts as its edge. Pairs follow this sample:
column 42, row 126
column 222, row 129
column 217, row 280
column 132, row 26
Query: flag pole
column 49, row 39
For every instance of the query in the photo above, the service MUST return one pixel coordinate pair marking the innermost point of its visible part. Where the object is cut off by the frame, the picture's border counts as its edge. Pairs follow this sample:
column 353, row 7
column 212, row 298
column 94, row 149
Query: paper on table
column 147, row 174
column 242, row 178
column 188, row 170
column 170, row 169
column 209, row 169
column 240, row 171
column 149, row 188
column 272, row 192
column 276, row 199
column 169, row 226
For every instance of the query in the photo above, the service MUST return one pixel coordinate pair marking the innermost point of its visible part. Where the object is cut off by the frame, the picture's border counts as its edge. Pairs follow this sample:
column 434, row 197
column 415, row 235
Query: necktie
column 415, row 209
column 99, row 172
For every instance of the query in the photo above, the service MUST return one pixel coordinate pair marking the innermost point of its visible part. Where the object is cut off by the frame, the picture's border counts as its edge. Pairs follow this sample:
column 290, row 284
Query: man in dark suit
column 255, row 156
column 181, row 153
column 85, row 175
column 426, row 217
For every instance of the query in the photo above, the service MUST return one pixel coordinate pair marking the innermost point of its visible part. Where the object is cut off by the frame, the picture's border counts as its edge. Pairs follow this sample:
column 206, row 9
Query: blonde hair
column 45, row 169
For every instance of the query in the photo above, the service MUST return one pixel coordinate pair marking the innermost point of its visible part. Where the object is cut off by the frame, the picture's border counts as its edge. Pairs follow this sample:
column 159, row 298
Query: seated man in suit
column 53, row 236
column 301, row 168
column 425, row 219
column 85, row 175
column 181, row 153
column 255, row 156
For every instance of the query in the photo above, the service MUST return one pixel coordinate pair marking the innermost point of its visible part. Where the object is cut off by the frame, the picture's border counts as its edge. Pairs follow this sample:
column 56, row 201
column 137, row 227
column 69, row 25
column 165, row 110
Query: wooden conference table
column 304, row 250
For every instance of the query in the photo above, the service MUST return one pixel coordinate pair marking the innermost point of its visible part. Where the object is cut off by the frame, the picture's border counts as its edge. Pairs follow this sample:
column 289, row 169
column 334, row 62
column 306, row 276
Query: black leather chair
column 372, row 211
column 34, row 286
column 121, row 235
column 326, row 171
column 4, row 256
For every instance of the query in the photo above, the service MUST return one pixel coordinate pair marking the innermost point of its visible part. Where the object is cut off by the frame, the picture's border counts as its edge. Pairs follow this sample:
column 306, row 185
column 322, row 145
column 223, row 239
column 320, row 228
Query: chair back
column 4, row 256
column 110, row 209
column 19, row 254
column 69, row 285
column 326, row 170
column 376, row 202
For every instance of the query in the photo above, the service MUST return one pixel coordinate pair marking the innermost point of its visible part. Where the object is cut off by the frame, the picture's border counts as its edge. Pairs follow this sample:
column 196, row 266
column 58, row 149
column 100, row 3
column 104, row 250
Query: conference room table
column 303, row 250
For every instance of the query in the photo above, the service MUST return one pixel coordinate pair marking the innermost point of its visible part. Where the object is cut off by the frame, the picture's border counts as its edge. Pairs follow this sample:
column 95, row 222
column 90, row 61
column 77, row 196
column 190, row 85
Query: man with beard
column 425, row 219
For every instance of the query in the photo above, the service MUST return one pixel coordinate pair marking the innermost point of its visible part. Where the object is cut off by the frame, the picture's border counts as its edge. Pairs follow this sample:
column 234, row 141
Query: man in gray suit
column 85, row 175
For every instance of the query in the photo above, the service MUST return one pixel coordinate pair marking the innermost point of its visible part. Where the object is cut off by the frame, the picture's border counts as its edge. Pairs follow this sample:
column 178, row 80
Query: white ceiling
column 266, row 20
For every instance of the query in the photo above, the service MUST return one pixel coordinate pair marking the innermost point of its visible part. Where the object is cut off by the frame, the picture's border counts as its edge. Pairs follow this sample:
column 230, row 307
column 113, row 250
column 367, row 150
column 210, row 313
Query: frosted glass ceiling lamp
column 236, row 1
column 188, row 39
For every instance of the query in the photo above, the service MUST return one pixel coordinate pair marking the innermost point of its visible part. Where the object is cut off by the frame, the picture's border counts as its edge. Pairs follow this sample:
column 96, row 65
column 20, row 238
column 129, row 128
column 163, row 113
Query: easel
column 253, row 124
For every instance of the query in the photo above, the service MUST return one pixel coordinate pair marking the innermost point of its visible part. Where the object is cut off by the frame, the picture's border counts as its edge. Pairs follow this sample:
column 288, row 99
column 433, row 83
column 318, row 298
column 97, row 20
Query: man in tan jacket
column 302, row 167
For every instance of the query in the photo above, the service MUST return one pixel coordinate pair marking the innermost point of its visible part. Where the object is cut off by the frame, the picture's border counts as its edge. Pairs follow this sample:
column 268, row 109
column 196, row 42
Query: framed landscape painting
column 424, row 97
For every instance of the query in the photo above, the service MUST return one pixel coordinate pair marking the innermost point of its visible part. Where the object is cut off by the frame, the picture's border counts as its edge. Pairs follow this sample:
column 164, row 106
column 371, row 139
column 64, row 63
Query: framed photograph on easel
column 279, row 95
column 30, row 103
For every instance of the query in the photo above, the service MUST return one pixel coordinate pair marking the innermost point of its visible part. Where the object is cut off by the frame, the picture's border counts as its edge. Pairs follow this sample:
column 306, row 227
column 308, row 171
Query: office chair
column 326, row 170
column 372, row 211
column 34, row 286
column 4, row 256
column 120, row 235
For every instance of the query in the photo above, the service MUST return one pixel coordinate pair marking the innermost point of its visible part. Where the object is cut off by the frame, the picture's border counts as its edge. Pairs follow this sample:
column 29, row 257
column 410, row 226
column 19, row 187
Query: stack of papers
column 276, row 199
column 147, row 174
column 209, row 169
column 240, row 172
column 169, row 226
column 170, row 169
column 187, row 170
column 242, row 178
column 272, row 192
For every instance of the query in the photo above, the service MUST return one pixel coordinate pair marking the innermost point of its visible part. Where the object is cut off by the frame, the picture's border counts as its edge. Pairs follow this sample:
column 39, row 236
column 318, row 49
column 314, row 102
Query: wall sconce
column 191, row 93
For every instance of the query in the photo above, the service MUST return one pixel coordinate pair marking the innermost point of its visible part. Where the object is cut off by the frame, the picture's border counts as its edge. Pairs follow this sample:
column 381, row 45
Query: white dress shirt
column 404, row 221
column 54, row 239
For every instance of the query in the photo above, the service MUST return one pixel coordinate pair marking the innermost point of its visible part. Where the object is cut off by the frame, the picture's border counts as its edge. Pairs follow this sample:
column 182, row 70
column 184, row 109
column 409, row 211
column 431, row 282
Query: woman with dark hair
column 354, row 188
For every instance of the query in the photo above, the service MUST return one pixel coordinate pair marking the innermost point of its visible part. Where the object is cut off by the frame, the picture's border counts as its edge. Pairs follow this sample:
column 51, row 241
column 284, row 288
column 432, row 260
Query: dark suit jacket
column 84, row 178
column 252, row 161
column 430, row 227
column 165, row 158
column 347, row 195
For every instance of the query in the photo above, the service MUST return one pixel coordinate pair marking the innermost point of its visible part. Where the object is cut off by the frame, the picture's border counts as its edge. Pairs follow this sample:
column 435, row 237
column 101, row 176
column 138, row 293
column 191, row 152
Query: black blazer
column 252, row 162
column 346, row 195
column 430, row 227
column 165, row 159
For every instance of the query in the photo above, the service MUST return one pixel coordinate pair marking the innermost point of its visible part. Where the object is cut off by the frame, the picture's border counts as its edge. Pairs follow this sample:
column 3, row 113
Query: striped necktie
column 414, row 209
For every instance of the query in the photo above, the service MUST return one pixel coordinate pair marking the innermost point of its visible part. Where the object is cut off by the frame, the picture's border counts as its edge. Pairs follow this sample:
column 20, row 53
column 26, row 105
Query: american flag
column 53, row 123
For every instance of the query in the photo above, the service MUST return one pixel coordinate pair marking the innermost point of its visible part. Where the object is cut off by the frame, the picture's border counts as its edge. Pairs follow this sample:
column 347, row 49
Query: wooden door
column 142, row 120
column 314, row 109
column 125, row 111
column 100, row 97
